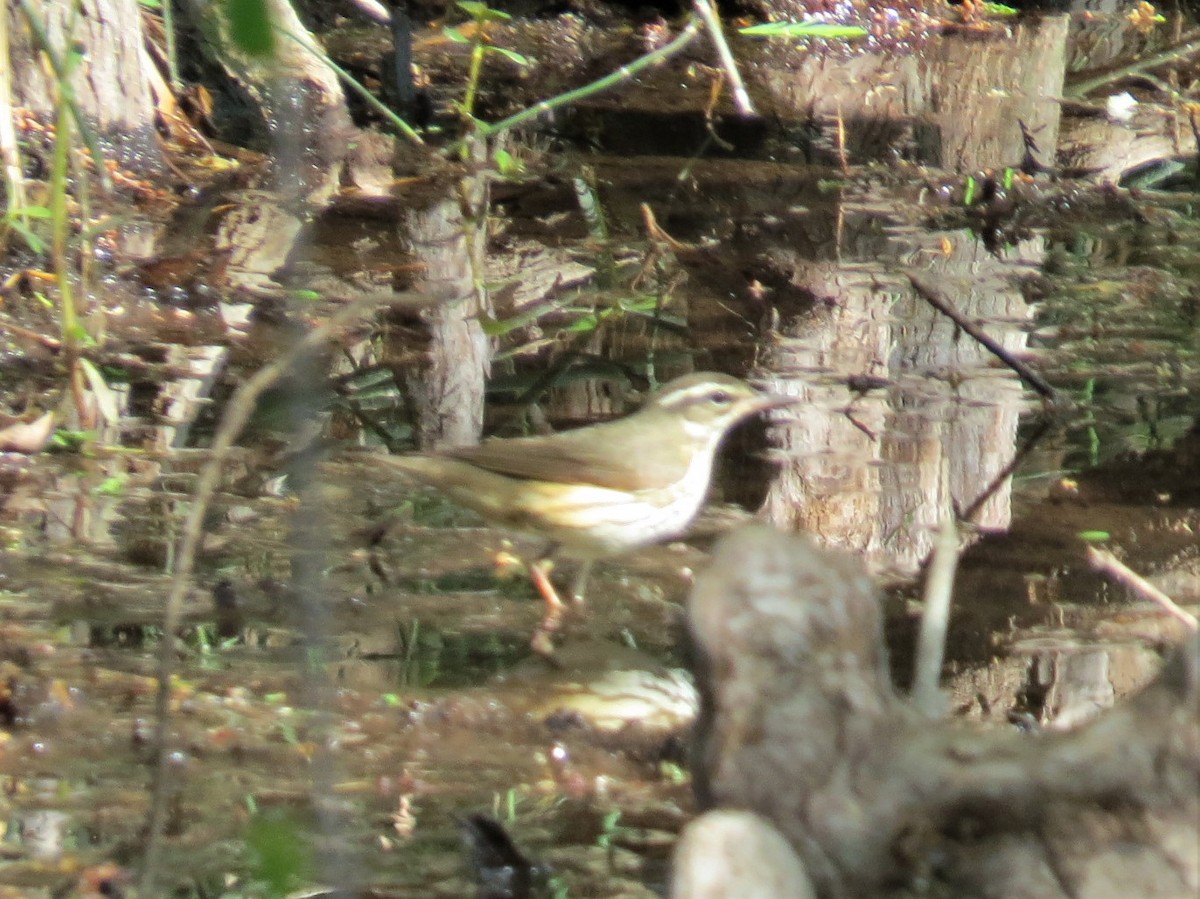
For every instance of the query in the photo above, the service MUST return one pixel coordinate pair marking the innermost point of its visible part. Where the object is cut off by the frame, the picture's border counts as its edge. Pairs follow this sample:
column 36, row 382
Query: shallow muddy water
column 431, row 706
column 354, row 680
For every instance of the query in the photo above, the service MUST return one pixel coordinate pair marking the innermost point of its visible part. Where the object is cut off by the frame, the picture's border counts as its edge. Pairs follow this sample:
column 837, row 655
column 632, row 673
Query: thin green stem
column 84, row 240
column 168, row 20
column 367, row 97
column 60, row 223
column 474, row 75
column 59, row 67
column 624, row 73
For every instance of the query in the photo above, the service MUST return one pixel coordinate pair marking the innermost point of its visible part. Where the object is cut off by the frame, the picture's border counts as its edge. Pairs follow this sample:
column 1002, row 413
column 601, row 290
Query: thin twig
column 1001, row 477
column 710, row 112
column 50, row 343
column 624, row 73
column 1178, row 53
column 241, row 407
column 1106, row 563
column 741, row 98
column 935, row 614
column 933, row 297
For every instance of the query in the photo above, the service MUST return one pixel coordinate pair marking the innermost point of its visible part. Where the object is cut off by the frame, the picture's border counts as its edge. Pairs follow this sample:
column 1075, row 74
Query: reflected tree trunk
column 111, row 82
column 955, row 103
column 979, row 92
column 902, row 395
column 442, row 356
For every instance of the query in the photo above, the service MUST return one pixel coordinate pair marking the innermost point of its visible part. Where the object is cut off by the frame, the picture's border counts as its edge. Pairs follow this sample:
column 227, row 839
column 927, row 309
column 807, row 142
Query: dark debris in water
column 502, row 871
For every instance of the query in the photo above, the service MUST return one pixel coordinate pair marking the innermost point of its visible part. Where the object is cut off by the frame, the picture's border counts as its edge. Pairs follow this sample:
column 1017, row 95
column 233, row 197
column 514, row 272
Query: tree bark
column 800, row 725
column 111, row 82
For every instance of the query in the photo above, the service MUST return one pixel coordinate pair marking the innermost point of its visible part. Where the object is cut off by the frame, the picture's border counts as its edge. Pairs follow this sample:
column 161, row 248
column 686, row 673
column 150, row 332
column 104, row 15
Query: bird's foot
column 542, row 642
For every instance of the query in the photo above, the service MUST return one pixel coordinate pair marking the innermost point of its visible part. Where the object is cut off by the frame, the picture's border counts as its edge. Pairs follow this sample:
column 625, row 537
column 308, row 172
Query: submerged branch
column 1106, row 563
column 930, row 294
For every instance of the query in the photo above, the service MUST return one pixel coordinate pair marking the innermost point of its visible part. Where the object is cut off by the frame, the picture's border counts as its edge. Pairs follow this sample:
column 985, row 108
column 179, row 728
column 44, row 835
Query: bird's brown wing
column 632, row 459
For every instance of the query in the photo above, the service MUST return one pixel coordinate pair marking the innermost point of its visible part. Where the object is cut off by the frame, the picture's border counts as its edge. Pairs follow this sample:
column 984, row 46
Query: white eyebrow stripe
column 691, row 394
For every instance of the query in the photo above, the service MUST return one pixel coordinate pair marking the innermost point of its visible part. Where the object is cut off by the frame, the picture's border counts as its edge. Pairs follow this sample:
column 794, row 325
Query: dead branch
column 800, row 725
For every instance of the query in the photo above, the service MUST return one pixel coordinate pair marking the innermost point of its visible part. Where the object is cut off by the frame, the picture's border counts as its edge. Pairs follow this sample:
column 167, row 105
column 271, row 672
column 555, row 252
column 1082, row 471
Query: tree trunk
column 111, row 82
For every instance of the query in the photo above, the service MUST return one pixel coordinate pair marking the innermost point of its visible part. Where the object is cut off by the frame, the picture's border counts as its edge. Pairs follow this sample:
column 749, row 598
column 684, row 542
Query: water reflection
column 874, row 470
column 796, row 273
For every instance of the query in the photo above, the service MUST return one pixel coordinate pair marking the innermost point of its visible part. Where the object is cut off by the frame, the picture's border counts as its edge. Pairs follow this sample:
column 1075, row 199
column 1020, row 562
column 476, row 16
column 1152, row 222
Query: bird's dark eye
column 721, row 398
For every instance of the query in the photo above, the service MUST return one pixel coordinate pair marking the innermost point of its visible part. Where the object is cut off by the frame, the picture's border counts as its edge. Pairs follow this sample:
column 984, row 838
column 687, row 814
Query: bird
column 599, row 490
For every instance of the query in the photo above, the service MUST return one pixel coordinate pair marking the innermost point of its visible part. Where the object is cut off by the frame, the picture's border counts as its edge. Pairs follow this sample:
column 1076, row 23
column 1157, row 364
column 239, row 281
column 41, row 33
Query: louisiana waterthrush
column 603, row 489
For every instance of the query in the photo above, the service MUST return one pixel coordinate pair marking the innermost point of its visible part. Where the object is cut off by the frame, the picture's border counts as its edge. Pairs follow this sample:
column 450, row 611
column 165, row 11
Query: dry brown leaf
column 27, row 436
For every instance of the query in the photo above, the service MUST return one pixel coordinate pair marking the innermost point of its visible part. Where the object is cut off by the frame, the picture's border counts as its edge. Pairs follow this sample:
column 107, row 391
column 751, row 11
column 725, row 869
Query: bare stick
column 935, row 614
column 241, row 407
column 1188, row 47
column 1002, row 476
column 50, row 343
column 933, row 297
column 1106, row 563
column 741, row 99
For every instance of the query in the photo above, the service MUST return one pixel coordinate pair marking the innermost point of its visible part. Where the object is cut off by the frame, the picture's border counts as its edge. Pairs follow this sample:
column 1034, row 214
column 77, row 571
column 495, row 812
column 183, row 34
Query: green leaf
column 31, row 239
column 71, row 440
column 250, row 26
column 507, row 164
column 113, row 486
column 999, row 9
column 583, row 325
column 493, row 327
column 278, row 852
column 643, row 304
column 804, row 29
column 481, row 12
column 79, row 334
column 511, row 55
column 455, row 36
column 1094, row 536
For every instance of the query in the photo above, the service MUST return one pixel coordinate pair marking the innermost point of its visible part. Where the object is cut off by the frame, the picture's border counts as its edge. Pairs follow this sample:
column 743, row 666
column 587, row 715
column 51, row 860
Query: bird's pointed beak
column 769, row 401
